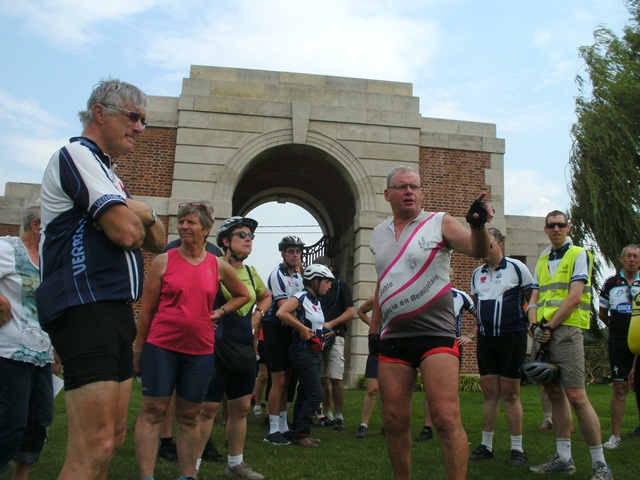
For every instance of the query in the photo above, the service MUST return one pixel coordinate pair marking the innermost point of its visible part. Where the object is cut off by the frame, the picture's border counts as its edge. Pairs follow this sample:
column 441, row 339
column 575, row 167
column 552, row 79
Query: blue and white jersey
column 282, row 286
column 79, row 264
column 310, row 314
column 500, row 297
column 616, row 296
column 461, row 301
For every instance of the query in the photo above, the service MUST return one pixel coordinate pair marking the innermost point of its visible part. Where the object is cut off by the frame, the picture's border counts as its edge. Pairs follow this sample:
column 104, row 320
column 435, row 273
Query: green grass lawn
column 341, row 456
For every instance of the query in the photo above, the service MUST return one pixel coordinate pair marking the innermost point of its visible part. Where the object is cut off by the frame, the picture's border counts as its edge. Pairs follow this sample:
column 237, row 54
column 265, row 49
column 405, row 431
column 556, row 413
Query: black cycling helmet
column 539, row 371
column 234, row 222
column 290, row 241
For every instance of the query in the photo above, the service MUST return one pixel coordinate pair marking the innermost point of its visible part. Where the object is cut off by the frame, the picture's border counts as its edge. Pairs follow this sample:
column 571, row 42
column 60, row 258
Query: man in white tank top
column 413, row 325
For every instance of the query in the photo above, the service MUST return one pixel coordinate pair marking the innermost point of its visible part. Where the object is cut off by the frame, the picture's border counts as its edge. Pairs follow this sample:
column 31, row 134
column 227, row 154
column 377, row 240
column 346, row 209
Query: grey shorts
column 332, row 361
column 566, row 349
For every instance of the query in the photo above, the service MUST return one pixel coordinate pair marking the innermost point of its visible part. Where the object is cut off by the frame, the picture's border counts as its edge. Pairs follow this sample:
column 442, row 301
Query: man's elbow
column 129, row 240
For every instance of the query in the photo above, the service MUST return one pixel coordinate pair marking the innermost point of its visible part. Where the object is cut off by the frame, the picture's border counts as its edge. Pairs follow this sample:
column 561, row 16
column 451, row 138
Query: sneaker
column 243, row 471
column 517, row 458
column 338, row 425
column 555, row 465
column 211, row 454
column 276, row 438
column 424, row 435
column 546, row 426
column 318, row 414
column 168, row 451
column 613, row 443
column 636, row 432
column 326, row 422
column 481, row 453
column 601, row 471
column 362, row 431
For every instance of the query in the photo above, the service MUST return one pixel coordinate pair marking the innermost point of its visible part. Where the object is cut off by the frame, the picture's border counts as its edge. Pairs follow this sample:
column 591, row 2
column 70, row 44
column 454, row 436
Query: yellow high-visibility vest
column 553, row 290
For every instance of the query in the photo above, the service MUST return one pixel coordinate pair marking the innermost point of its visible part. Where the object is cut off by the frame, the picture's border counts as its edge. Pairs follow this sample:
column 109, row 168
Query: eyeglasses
column 404, row 186
column 551, row 226
column 133, row 116
column 243, row 235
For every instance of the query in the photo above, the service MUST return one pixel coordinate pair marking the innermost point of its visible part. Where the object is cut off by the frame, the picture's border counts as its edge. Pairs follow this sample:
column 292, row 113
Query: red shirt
column 182, row 322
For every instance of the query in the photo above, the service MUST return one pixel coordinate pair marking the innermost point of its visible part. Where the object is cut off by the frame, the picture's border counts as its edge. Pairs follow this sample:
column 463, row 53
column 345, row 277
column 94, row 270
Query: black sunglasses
column 551, row 226
column 133, row 116
column 244, row 235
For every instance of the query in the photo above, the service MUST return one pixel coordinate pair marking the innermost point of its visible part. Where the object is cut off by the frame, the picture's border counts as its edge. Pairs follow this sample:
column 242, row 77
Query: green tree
column 605, row 157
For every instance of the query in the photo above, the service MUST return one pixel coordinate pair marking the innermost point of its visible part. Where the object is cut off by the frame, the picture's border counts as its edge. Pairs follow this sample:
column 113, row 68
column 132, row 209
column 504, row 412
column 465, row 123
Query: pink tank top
column 183, row 320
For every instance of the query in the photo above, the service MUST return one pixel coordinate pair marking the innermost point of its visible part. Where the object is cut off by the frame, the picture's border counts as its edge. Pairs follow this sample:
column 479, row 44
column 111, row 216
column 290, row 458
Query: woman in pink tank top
column 174, row 344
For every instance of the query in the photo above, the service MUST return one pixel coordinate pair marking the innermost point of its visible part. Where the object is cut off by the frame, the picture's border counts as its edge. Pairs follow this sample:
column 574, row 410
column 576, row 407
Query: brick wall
column 148, row 171
column 8, row 229
column 451, row 179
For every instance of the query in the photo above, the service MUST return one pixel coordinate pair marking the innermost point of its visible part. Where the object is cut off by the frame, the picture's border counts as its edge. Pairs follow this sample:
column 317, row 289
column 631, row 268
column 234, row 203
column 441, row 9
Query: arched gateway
column 242, row 138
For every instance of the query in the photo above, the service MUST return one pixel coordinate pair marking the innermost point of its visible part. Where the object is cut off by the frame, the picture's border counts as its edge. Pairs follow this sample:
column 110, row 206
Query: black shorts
column 371, row 370
column 277, row 338
column 620, row 359
column 502, row 355
column 94, row 342
column 262, row 352
column 235, row 386
column 412, row 350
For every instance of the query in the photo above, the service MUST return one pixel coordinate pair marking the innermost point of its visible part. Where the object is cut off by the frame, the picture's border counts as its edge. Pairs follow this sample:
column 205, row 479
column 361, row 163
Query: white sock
column 487, row 440
column 329, row 414
column 274, row 424
column 257, row 408
column 234, row 460
column 365, row 425
column 516, row 443
column 597, row 454
column 563, row 446
column 339, row 416
column 284, row 425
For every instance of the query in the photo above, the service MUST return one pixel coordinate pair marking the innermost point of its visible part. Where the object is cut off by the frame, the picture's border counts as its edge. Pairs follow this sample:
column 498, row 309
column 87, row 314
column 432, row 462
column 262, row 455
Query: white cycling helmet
column 317, row 271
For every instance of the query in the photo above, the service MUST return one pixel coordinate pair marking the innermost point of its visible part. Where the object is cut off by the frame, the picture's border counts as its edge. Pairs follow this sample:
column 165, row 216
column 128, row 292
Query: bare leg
column 237, row 424
column 510, row 392
column 21, row 471
column 369, row 400
column 148, row 426
column 188, row 416
column 443, row 370
column 618, row 405
column 97, row 418
column 396, row 387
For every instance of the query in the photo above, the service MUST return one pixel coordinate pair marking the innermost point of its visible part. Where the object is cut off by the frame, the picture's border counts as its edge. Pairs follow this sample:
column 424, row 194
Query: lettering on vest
column 77, row 252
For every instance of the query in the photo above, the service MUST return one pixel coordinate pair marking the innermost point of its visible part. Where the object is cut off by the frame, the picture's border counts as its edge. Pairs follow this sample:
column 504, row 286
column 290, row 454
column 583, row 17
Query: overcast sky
column 510, row 63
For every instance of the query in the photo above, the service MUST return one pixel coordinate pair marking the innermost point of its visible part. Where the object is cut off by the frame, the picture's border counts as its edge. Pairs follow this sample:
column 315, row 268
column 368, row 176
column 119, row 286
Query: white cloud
column 29, row 151
column 72, row 23
column 333, row 37
column 531, row 192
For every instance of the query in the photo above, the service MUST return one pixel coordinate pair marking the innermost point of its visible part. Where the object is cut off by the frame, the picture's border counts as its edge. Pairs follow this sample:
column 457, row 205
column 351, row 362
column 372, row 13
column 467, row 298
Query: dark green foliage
column 605, row 158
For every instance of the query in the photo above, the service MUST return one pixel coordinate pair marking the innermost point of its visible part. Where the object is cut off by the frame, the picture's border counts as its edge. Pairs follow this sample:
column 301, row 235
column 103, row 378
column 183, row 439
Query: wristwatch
column 151, row 222
column 470, row 335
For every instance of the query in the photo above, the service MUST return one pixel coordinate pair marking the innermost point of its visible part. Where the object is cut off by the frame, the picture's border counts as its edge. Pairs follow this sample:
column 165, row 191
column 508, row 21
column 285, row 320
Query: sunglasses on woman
column 243, row 235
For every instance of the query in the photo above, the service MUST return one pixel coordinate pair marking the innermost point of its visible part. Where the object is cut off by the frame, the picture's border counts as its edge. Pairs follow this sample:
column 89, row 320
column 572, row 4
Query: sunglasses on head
column 243, row 235
column 551, row 226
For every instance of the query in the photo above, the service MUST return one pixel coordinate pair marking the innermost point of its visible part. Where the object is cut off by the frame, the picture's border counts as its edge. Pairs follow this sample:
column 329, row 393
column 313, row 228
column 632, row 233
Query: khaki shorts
column 566, row 349
column 332, row 361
